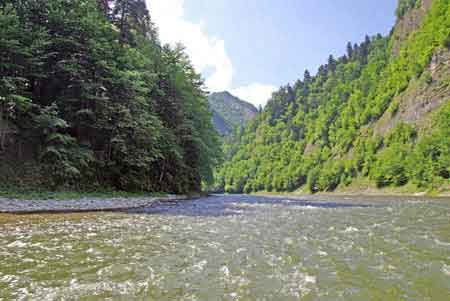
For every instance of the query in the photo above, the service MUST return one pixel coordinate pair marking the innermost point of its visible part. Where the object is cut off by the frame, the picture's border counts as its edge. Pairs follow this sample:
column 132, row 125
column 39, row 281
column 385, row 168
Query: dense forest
column 379, row 114
column 89, row 98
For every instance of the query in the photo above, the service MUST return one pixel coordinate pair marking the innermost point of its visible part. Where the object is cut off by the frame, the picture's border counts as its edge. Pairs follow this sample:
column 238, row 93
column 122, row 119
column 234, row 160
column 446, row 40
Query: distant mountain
column 229, row 112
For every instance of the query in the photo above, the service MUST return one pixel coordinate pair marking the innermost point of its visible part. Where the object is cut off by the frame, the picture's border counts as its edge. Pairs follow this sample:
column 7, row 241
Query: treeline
column 405, row 5
column 321, row 132
column 87, row 86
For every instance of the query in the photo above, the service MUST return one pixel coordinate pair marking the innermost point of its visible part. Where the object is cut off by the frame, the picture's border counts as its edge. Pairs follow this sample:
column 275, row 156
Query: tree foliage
column 320, row 132
column 100, row 100
column 405, row 5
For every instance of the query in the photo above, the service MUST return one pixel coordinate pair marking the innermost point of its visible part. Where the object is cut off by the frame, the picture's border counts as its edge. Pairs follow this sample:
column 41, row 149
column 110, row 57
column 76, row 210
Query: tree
column 331, row 63
column 99, row 101
column 307, row 77
column 404, row 6
column 132, row 15
column 327, row 137
column 104, row 7
column 350, row 50
column 323, row 71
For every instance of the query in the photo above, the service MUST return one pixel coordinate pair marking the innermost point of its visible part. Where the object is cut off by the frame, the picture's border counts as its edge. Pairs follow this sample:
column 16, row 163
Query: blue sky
column 251, row 47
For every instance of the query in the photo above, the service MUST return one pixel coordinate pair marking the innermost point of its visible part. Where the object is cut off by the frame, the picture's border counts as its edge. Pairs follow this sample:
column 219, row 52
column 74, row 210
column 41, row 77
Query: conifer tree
column 307, row 77
column 331, row 63
column 349, row 50
column 98, row 101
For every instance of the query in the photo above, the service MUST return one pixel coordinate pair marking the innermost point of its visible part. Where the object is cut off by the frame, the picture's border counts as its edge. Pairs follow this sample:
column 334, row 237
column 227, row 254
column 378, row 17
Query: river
column 233, row 248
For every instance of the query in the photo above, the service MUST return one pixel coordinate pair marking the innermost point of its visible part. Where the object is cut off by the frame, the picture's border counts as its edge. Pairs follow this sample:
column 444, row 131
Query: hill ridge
column 230, row 112
column 379, row 115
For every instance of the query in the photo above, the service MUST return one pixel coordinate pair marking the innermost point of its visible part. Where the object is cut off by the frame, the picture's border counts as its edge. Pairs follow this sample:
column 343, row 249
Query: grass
column 31, row 193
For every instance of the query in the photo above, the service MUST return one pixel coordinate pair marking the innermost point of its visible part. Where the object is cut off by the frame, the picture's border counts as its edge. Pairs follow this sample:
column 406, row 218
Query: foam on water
column 446, row 269
column 265, row 249
column 351, row 230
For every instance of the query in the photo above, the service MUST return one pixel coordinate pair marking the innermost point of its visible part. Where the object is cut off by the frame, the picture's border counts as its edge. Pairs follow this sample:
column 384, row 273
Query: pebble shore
column 80, row 205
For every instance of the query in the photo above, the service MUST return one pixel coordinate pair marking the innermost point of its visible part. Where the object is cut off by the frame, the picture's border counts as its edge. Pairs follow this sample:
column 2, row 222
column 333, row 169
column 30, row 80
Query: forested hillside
column 230, row 112
column 90, row 98
column 380, row 114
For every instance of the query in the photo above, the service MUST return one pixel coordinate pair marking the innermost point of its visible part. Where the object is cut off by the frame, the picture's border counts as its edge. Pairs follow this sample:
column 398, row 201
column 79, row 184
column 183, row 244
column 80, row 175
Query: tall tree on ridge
column 350, row 50
column 307, row 77
column 331, row 63
column 132, row 16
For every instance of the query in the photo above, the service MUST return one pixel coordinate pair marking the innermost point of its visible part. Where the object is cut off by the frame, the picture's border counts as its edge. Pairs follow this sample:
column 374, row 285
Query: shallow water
column 233, row 248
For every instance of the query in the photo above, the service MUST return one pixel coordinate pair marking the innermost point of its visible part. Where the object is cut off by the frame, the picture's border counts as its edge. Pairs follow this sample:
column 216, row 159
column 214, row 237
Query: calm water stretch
column 233, row 248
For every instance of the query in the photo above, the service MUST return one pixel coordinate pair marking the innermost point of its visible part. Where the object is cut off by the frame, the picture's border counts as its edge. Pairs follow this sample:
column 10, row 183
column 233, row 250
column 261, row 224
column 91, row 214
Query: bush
column 311, row 181
column 390, row 167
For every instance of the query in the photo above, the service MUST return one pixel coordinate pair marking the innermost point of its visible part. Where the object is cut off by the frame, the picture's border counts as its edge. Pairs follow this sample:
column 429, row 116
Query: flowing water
column 233, row 248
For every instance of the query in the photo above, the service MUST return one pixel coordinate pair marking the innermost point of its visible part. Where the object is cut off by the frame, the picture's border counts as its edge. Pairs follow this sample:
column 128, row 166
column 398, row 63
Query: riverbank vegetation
column 42, row 193
column 90, row 98
column 375, row 113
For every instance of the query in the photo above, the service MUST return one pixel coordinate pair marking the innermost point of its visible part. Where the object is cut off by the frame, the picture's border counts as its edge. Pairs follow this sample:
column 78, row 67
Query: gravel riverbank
column 15, row 206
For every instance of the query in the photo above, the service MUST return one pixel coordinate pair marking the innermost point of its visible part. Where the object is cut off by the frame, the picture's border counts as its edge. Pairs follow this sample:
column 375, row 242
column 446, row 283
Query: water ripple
column 233, row 248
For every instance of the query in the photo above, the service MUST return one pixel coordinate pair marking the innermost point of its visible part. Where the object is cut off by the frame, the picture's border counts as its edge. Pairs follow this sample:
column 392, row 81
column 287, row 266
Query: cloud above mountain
column 208, row 53
column 256, row 93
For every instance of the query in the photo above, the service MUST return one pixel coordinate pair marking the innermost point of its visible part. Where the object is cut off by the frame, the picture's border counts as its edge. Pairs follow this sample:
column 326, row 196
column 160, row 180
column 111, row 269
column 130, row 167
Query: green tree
column 99, row 101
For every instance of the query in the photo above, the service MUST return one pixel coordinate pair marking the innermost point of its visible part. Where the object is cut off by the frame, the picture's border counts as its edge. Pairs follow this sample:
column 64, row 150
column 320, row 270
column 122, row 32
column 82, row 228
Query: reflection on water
column 233, row 248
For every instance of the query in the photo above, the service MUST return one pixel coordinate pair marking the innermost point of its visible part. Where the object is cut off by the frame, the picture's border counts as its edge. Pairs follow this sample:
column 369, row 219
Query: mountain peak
column 230, row 112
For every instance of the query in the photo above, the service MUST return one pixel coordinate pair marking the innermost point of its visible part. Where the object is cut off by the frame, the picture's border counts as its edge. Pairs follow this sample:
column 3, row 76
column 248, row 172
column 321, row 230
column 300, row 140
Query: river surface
column 233, row 248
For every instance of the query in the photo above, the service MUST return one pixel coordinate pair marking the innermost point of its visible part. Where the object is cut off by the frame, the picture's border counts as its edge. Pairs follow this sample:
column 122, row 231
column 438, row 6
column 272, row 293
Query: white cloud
column 257, row 94
column 208, row 54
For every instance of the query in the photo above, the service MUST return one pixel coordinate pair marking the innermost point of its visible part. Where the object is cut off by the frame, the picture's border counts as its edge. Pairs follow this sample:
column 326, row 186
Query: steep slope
column 378, row 115
column 90, row 98
column 230, row 112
